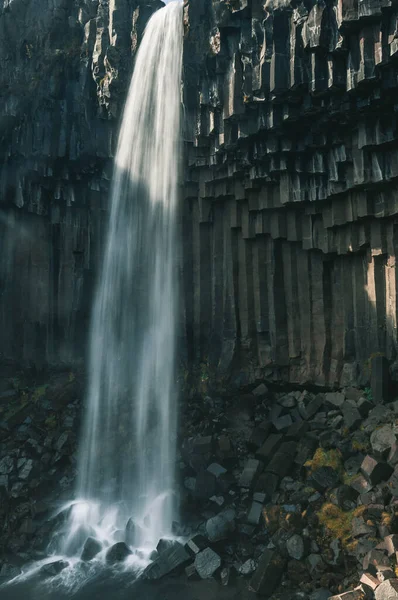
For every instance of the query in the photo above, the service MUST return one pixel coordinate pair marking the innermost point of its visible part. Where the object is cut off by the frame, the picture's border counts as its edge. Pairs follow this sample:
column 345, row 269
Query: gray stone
column 295, row 547
column 221, row 526
column 250, row 473
column 53, row 569
column 268, row 573
column 382, row 439
column 216, row 470
column 196, row 545
column 248, row 567
column 260, row 391
column 388, row 590
column 335, row 399
column 320, row 594
column 255, row 513
column 207, row 562
column 172, row 559
column 352, row 416
column 375, row 471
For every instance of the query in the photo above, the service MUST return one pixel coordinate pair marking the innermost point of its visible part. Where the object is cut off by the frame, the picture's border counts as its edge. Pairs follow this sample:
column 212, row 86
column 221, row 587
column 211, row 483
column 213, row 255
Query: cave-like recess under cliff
column 290, row 180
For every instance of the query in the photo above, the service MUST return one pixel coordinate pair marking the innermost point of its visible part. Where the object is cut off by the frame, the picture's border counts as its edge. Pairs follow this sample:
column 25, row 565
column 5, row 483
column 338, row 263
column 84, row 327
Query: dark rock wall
column 291, row 187
column 65, row 68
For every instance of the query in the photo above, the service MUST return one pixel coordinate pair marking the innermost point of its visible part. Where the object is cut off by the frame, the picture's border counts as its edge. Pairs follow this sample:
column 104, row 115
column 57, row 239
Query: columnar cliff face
column 291, row 187
column 65, row 67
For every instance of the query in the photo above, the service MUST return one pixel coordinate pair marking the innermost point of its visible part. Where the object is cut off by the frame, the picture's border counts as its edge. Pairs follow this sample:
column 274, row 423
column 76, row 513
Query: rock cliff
column 290, row 196
column 65, row 67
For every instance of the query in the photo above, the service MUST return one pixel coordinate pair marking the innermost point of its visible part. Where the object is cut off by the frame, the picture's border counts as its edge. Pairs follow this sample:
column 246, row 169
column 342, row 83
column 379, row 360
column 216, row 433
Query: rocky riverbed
column 284, row 493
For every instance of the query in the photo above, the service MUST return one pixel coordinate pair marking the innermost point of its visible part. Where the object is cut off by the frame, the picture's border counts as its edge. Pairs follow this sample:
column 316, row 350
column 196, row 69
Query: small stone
column 225, row 576
column 191, row 572
column 360, row 484
column 91, row 548
column 117, row 553
column 203, row 445
column 388, row 590
column 364, row 407
column 385, row 573
column 287, row 401
column 170, row 560
column 207, row 562
column 320, row 594
column 259, row 436
column 26, row 470
column 295, row 547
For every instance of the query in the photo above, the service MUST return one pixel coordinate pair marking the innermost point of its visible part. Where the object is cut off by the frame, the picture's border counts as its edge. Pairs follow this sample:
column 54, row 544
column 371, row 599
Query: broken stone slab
column 391, row 544
column 375, row 471
column 207, row 563
column 282, row 423
column 385, row 573
column 374, row 560
column 360, row 484
column 91, row 548
column 297, row 430
column 250, row 473
column 360, row 528
column 268, row 573
column 117, row 553
column 259, row 436
column 221, row 526
column 191, row 572
column 314, row 406
column 388, row 590
column 280, row 464
column 169, row 561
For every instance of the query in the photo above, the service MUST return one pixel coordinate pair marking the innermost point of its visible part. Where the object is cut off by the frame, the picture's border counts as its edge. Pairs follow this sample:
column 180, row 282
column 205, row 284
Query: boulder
column 196, row 545
column 207, row 562
column 91, row 548
column 54, row 568
column 117, row 553
column 382, row 440
column 375, row 470
column 170, row 560
column 221, row 526
column 295, row 547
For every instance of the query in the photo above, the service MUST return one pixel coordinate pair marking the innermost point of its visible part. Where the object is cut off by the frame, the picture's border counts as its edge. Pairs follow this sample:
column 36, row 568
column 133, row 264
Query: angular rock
column 380, row 380
column 335, row 399
column 172, row 559
column 260, row 391
column 375, row 471
column 91, row 548
column 216, row 470
column 268, row 573
column 248, row 567
column 360, row 484
column 382, row 439
column 205, row 485
column 259, row 436
column 391, row 544
column 352, row 416
column 269, row 447
column 370, row 580
column 221, row 526
column 282, row 423
column 255, row 513
column 323, row 478
column 207, row 562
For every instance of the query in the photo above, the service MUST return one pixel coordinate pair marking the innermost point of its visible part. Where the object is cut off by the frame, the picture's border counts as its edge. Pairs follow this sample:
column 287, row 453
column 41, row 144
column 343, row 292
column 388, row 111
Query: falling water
column 127, row 454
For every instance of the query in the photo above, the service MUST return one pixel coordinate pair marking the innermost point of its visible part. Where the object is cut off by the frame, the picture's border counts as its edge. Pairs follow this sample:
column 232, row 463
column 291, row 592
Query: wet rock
column 344, row 496
column 91, row 548
column 165, row 544
column 117, row 553
column 268, row 573
column 225, row 576
column 335, row 399
column 191, row 572
column 375, row 471
column 221, row 526
column 207, row 562
column 53, row 569
column 388, row 590
column 170, row 560
column 9, row 571
column 295, row 547
column 269, row 447
column 391, row 544
column 26, row 470
column 260, row 391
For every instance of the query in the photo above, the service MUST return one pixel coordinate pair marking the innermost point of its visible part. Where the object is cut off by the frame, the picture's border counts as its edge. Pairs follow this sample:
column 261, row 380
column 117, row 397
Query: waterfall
column 127, row 453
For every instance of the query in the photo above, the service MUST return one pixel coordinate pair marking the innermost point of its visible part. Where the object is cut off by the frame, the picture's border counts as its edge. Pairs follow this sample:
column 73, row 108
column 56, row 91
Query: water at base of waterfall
column 126, row 459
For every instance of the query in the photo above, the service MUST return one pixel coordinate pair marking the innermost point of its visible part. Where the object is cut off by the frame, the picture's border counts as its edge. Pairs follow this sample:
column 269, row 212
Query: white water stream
column 127, row 452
